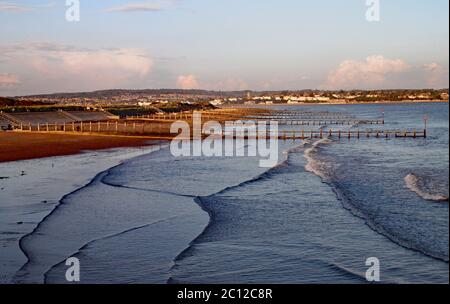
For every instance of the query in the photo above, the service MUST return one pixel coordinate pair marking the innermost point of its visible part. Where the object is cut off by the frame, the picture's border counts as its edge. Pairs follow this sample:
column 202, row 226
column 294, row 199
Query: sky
column 223, row 45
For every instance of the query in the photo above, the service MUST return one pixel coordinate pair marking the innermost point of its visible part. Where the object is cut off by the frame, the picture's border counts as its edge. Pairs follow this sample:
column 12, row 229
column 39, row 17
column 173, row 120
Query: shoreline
column 343, row 103
column 16, row 146
column 47, row 180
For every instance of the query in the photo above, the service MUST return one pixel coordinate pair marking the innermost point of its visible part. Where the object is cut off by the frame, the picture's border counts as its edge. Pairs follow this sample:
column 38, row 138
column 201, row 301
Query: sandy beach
column 21, row 146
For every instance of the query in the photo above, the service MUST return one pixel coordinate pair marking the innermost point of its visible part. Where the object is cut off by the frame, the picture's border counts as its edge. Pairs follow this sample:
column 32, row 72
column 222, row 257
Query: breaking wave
column 314, row 165
column 416, row 185
column 324, row 170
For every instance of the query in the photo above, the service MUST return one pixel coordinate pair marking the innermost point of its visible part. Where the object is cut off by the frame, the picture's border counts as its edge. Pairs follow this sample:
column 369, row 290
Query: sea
column 318, row 216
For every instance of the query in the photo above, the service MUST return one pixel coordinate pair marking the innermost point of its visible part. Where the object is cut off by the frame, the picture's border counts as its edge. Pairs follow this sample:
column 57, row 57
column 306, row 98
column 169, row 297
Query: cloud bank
column 62, row 67
column 135, row 7
column 6, row 6
column 12, row 7
column 8, row 80
column 369, row 73
column 377, row 72
column 187, row 82
column 142, row 7
column 436, row 75
column 190, row 81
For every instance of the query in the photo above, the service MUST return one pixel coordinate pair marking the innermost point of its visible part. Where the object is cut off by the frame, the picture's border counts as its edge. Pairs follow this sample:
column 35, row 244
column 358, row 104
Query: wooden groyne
column 163, row 129
column 303, row 118
column 309, row 116
column 288, row 122
column 318, row 122
column 159, row 125
column 235, row 116
column 303, row 134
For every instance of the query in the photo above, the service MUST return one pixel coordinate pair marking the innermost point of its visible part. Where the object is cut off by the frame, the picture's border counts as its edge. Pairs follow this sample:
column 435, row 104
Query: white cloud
column 370, row 73
column 13, row 7
column 187, row 82
column 61, row 67
column 135, row 7
column 190, row 81
column 8, row 80
column 436, row 76
column 6, row 6
column 127, row 62
column 143, row 6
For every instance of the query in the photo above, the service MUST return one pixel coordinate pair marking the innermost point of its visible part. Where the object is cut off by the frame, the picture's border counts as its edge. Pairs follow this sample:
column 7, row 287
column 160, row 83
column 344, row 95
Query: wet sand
column 31, row 189
column 21, row 146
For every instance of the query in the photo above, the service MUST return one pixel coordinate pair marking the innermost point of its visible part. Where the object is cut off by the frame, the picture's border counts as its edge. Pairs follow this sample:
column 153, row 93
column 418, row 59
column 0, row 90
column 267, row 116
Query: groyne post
column 425, row 119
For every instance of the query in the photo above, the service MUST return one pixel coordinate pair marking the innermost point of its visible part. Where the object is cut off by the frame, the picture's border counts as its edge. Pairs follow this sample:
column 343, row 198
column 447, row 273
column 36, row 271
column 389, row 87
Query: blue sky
column 222, row 45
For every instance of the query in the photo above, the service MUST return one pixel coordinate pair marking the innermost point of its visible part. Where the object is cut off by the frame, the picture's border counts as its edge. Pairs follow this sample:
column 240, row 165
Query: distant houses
column 147, row 98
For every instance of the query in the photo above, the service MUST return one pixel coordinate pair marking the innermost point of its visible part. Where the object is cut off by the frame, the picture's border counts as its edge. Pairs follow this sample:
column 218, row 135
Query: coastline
column 16, row 146
column 46, row 181
column 340, row 103
column 159, row 215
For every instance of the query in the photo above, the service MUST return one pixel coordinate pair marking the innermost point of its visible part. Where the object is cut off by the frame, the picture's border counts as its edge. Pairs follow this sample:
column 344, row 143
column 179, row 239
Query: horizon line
column 229, row 91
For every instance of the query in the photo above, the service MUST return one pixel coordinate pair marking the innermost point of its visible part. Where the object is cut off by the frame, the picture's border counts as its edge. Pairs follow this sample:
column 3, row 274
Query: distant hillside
column 105, row 94
column 116, row 92
column 7, row 101
column 11, row 102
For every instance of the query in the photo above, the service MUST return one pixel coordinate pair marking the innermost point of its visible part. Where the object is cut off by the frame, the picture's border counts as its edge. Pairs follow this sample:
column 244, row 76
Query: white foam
column 314, row 165
column 413, row 183
column 297, row 148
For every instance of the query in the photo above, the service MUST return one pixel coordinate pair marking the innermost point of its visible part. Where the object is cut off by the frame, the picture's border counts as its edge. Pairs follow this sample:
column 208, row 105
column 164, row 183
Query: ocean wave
column 110, row 236
column 203, row 201
column 23, row 275
column 270, row 171
column 313, row 164
column 297, row 148
column 324, row 170
column 415, row 184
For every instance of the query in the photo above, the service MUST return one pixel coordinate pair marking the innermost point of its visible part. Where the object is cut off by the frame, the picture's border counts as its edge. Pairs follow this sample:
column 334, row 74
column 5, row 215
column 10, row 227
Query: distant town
column 145, row 98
